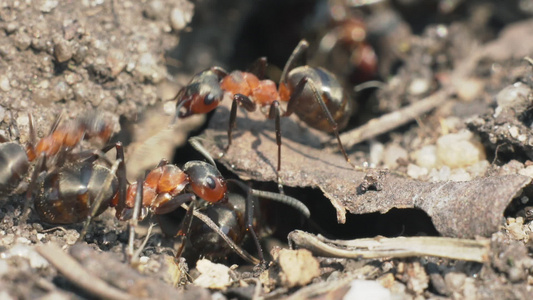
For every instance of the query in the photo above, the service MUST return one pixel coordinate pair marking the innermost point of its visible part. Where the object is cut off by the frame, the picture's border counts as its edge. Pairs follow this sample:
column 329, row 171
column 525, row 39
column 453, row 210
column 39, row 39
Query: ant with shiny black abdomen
column 312, row 93
column 54, row 150
column 168, row 187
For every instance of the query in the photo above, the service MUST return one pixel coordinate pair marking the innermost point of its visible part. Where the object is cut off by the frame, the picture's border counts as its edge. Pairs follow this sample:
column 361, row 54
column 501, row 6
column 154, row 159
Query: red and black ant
column 313, row 94
column 55, row 149
column 167, row 187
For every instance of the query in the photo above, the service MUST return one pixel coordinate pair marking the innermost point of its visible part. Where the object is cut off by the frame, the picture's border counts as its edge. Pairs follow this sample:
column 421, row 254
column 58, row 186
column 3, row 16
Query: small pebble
column 455, row 281
column 4, row 83
column 513, row 97
column 419, row 86
column 469, row 89
column 416, row 172
column 458, row 150
column 23, row 120
column 181, row 15
column 367, row 289
column 394, row 153
column 22, row 41
column 213, row 276
column 426, row 156
column 62, row 50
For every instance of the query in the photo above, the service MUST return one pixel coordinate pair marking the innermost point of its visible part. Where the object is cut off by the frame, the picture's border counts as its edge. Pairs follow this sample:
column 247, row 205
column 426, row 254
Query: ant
column 313, row 94
column 168, row 187
column 54, row 148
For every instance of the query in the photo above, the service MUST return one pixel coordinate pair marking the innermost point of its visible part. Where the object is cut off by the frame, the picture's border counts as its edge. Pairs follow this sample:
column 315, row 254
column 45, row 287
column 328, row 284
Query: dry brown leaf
column 458, row 209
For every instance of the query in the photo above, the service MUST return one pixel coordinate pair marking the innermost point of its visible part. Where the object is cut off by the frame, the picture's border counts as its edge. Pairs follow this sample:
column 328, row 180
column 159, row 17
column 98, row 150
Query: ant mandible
column 312, row 93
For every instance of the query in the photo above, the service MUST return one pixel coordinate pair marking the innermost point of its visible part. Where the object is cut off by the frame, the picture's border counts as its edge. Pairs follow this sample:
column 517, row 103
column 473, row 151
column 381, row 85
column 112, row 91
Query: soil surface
column 439, row 141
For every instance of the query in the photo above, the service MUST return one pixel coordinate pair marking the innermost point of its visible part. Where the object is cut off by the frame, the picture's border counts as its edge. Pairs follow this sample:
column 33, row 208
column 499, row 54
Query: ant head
column 206, row 181
column 201, row 95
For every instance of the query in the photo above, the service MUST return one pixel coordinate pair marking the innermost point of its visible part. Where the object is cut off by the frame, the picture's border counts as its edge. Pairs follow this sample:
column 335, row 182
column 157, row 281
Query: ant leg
column 185, row 227
column 249, row 216
column 135, row 217
column 241, row 252
column 162, row 162
column 173, row 203
column 247, row 103
column 99, row 198
column 298, row 57
column 196, row 144
column 178, row 114
column 258, row 68
column 30, row 144
column 275, row 113
column 39, row 166
column 121, row 173
column 56, row 123
column 293, row 103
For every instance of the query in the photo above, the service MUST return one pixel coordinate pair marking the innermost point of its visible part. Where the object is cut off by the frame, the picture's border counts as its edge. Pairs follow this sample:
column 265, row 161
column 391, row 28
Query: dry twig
column 393, row 120
column 74, row 272
column 380, row 247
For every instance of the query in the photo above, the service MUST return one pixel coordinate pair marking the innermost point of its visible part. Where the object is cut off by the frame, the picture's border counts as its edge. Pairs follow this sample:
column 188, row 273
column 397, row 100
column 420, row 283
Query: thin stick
column 393, row 120
column 134, row 219
column 135, row 257
column 452, row 248
column 75, row 273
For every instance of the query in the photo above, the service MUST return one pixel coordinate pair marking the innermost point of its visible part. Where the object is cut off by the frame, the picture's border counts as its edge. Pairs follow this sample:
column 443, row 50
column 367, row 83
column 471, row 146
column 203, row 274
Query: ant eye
column 209, row 98
column 210, row 182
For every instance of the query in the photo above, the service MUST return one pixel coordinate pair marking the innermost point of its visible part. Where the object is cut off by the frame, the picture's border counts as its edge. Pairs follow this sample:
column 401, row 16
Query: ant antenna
column 368, row 85
column 197, row 144
column 298, row 52
column 281, row 198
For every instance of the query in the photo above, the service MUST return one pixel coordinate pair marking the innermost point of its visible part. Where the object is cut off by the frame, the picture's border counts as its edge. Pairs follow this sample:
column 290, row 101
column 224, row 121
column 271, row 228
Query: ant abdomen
column 14, row 164
column 332, row 93
column 66, row 196
column 229, row 217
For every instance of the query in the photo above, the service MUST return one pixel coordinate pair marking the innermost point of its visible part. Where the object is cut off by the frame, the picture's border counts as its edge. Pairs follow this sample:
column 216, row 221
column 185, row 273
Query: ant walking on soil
column 312, row 93
column 55, row 150
column 167, row 187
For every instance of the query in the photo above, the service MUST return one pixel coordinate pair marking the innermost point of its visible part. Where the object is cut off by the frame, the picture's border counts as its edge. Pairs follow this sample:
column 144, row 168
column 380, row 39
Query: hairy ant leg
column 258, row 68
column 245, row 102
column 39, row 166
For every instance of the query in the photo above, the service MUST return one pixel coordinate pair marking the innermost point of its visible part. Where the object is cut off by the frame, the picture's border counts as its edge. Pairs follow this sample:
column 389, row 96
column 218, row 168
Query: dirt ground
column 435, row 203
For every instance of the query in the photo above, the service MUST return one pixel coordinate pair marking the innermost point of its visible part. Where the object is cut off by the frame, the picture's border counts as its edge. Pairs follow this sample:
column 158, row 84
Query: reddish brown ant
column 313, row 94
column 168, row 187
column 55, row 147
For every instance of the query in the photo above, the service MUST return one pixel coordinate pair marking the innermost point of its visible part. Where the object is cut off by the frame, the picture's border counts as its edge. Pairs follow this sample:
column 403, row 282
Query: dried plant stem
column 380, row 247
column 393, row 120
column 74, row 272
